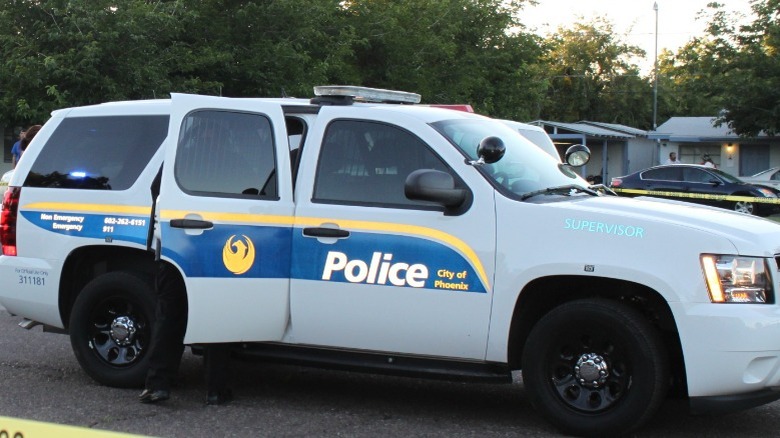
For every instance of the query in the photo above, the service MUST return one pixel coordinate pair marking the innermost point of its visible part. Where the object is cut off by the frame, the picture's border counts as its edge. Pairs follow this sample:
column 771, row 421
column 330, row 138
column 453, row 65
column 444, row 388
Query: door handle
column 325, row 232
column 191, row 224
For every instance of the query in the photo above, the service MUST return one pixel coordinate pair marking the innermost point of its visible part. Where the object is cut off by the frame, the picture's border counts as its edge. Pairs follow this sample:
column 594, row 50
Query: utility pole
column 655, row 71
column 655, row 87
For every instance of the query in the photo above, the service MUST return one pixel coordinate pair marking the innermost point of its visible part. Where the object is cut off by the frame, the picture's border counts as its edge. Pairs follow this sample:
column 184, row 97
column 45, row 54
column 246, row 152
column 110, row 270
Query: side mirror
column 577, row 155
column 491, row 149
column 434, row 186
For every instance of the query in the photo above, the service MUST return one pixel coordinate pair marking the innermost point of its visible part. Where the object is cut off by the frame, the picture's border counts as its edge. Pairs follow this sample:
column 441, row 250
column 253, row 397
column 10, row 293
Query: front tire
column 111, row 327
column 595, row 367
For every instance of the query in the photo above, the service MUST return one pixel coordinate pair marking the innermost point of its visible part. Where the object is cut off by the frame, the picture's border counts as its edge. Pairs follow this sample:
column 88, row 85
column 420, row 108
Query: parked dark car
column 696, row 183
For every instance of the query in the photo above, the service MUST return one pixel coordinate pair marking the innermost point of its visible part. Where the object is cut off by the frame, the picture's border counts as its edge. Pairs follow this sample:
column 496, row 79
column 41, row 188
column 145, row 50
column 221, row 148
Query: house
column 616, row 149
column 693, row 137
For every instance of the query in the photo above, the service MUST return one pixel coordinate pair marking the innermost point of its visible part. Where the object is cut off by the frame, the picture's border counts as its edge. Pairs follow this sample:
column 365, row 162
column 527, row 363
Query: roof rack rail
column 347, row 94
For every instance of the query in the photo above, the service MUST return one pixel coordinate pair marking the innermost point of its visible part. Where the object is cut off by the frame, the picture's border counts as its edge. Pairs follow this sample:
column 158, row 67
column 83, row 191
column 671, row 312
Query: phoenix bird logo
column 238, row 255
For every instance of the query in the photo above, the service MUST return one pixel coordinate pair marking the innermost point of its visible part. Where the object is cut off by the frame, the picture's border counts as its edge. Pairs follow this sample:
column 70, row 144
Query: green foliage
column 60, row 53
column 449, row 51
column 733, row 71
column 592, row 77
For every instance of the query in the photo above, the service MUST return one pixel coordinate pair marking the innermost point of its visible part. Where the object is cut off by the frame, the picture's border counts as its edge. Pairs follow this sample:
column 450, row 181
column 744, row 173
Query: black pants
column 167, row 343
column 216, row 358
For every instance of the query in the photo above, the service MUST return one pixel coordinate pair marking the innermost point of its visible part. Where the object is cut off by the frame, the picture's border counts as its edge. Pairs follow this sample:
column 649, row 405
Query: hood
column 750, row 235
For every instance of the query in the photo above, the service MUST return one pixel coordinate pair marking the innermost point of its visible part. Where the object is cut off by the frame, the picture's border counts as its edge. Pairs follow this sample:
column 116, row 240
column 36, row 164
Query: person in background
column 707, row 162
column 16, row 151
column 673, row 158
column 29, row 135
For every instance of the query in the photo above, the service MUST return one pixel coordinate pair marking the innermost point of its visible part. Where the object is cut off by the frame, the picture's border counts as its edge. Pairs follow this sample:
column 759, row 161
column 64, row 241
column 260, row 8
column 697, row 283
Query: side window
column 697, row 176
column 226, row 154
column 367, row 163
column 99, row 153
column 663, row 174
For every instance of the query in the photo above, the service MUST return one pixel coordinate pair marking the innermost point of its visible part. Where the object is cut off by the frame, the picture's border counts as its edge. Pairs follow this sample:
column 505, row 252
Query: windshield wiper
column 560, row 190
column 602, row 189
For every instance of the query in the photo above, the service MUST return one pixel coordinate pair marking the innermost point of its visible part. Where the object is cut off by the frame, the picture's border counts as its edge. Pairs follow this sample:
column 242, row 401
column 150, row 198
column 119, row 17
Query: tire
column 111, row 326
column 580, row 338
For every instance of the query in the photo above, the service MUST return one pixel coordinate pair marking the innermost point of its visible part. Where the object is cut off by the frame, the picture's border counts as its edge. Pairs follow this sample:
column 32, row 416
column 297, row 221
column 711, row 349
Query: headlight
column 734, row 279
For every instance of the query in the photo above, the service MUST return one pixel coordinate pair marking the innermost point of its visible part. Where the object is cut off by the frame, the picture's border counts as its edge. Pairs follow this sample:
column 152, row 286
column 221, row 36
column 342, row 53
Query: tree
column 449, row 51
column 752, row 78
column 76, row 52
column 733, row 71
column 592, row 77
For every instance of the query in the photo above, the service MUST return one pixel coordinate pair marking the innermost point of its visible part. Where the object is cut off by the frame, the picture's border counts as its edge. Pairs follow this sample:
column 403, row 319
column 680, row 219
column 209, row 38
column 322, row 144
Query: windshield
column 524, row 168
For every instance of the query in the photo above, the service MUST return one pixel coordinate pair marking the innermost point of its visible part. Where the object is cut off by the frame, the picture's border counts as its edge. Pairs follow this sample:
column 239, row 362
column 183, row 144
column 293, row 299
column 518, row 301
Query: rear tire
column 595, row 367
column 111, row 327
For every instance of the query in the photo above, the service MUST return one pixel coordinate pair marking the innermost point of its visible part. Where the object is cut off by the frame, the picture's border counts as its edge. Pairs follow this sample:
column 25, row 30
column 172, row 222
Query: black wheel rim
column 118, row 331
column 589, row 372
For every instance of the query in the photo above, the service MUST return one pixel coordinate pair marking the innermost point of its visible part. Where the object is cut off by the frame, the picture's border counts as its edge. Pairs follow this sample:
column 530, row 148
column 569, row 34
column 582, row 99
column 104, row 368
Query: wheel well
column 543, row 294
column 86, row 263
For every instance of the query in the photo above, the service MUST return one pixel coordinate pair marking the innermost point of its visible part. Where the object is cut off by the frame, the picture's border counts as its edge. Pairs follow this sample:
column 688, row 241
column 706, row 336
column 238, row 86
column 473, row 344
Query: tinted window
column 663, row 174
column 106, row 153
column 697, row 175
column 226, row 153
column 367, row 163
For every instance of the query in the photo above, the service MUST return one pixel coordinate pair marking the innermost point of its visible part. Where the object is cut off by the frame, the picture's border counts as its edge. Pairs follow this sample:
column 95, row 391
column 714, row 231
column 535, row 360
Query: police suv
column 358, row 230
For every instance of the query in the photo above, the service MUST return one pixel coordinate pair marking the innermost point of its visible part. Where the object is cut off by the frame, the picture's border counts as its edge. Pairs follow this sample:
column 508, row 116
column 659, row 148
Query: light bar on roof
column 366, row 94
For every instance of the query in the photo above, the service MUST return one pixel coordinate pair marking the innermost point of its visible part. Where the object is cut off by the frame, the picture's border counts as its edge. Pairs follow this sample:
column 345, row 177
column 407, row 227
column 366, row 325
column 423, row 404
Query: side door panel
column 225, row 214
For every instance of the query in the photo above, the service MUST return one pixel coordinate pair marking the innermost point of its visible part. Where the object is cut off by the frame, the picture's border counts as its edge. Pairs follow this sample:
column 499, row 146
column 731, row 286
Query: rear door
column 225, row 209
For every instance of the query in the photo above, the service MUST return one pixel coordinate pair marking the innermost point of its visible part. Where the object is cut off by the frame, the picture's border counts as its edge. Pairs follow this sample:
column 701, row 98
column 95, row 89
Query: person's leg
column 216, row 359
column 166, row 346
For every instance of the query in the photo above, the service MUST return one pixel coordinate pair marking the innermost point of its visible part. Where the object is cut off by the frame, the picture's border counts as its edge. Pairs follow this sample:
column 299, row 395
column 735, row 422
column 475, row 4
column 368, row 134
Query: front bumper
column 731, row 351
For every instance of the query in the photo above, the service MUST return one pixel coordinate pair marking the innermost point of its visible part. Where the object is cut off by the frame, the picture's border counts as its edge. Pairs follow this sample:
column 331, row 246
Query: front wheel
column 111, row 326
column 595, row 367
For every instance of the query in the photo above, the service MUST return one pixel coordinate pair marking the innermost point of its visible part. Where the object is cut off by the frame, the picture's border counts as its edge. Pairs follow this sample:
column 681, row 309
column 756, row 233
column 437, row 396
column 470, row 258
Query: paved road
column 41, row 380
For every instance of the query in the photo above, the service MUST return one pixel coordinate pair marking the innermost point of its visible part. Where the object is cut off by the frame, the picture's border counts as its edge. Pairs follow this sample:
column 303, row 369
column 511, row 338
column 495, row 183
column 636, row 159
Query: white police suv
column 391, row 237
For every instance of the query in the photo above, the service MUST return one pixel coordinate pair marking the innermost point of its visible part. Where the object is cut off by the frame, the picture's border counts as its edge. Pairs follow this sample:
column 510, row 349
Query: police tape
column 710, row 197
column 15, row 428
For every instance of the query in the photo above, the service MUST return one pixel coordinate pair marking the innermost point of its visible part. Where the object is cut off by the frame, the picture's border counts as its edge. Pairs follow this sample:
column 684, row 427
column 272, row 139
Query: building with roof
column 694, row 137
column 616, row 149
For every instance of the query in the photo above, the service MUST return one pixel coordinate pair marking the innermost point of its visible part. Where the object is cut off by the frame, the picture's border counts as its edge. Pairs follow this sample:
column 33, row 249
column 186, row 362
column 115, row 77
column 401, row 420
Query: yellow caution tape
column 15, row 428
column 707, row 196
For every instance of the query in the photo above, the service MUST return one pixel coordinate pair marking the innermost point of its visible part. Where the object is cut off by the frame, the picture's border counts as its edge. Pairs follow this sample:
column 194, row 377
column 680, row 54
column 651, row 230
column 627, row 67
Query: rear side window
column 98, row 153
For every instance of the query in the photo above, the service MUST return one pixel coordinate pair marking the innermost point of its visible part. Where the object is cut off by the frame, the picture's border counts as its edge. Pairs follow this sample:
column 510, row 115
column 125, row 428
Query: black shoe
column 154, row 395
column 219, row 397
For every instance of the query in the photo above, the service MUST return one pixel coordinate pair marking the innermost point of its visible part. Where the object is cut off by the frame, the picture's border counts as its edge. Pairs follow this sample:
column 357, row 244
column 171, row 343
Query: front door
column 373, row 270
column 225, row 210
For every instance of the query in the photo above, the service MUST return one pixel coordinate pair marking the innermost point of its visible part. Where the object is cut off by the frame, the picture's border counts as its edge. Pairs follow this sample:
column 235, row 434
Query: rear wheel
column 744, row 207
column 111, row 326
column 595, row 367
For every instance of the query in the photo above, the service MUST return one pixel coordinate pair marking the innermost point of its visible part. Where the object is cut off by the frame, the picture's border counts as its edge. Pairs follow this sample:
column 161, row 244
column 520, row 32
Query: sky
column 633, row 19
